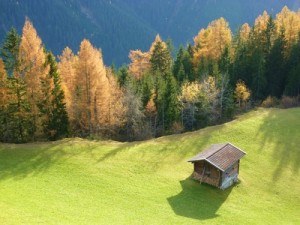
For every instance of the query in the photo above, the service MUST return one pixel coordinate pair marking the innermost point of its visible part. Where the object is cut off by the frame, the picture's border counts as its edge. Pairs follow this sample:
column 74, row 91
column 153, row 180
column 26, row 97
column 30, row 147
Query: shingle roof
column 221, row 156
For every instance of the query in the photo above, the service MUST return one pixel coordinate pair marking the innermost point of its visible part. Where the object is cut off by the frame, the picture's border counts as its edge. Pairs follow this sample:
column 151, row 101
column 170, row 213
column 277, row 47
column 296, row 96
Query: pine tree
column 275, row 68
column 123, row 75
column 161, row 60
column 4, row 101
column 292, row 87
column 52, row 105
column 171, row 101
column 21, row 122
column 10, row 50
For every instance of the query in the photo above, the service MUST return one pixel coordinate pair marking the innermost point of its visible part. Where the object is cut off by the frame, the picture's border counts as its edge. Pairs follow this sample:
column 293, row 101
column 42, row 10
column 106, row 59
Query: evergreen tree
column 21, row 121
column 275, row 68
column 52, row 105
column 4, row 101
column 258, row 78
column 292, row 87
column 123, row 75
column 161, row 60
column 171, row 101
column 10, row 50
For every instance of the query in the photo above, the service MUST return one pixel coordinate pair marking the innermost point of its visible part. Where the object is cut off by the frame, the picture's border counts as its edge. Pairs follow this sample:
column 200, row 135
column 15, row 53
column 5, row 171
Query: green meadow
column 76, row 181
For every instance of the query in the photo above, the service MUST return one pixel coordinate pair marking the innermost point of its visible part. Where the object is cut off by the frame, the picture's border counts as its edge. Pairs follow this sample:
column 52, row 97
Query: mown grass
column 76, row 181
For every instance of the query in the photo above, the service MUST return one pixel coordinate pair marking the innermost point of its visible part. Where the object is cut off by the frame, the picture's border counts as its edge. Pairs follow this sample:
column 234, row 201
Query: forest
column 160, row 92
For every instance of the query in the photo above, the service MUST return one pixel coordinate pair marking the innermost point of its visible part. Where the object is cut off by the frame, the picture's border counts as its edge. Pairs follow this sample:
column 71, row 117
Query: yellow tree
column 242, row 93
column 261, row 22
column 66, row 67
column 289, row 22
column 3, row 87
column 140, row 61
column 32, row 69
column 211, row 42
column 91, row 88
column 244, row 32
column 115, row 104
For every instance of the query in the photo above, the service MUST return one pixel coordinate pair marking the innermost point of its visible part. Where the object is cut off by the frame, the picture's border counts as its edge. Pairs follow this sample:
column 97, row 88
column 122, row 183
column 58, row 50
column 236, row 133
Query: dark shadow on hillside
column 25, row 163
column 20, row 161
column 198, row 201
column 282, row 128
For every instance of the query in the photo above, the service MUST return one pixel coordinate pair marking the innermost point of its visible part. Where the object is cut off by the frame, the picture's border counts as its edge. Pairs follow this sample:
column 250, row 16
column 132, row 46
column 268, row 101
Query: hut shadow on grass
column 197, row 201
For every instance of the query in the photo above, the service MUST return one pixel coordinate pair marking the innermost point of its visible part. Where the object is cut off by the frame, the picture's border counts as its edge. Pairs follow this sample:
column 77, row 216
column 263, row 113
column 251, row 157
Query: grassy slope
column 84, row 182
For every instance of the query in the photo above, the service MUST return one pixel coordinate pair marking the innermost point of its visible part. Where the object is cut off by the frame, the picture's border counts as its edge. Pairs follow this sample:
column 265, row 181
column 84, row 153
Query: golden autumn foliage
column 32, row 69
column 151, row 109
column 91, row 87
column 140, row 61
column 242, row 93
column 211, row 42
column 261, row 22
column 244, row 32
column 3, row 86
column 116, row 105
column 66, row 67
column 289, row 22
column 32, row 59
column 190, row 92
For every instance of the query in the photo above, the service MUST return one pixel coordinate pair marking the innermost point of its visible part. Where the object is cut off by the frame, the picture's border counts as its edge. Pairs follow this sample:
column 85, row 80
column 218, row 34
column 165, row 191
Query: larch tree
column 92, row 89
column 210, row 42
column 116, row 105
column 32, row 68
column 261, row 22
column 141, row 61
column 67, row 71
column 4, row 102
column 244, row 32
column 289, row 22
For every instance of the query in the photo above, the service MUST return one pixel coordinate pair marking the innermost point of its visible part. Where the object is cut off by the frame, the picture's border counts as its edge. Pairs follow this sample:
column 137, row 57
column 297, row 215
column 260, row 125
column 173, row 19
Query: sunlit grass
column 77, row 181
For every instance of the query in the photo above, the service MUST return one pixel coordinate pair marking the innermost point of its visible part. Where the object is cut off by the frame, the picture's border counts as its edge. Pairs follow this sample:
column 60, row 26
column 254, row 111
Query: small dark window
column 207, row 171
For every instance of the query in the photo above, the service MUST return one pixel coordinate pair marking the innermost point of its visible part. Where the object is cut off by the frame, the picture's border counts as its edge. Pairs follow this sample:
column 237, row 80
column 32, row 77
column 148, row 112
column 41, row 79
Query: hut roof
column 221, row 156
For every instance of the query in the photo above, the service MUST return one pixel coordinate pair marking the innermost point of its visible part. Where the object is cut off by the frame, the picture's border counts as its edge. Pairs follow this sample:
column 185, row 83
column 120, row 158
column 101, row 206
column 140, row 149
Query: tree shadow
column 18, row 161
column 197, row 201
column 281, row 129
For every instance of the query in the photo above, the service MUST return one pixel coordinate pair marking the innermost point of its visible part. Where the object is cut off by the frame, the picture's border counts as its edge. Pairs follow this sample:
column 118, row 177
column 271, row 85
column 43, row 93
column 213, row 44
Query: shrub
column 270, row 102
column 289, row 102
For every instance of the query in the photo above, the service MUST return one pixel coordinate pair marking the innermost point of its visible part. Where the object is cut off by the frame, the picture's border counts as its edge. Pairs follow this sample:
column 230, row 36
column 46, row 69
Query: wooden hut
column 218, row 165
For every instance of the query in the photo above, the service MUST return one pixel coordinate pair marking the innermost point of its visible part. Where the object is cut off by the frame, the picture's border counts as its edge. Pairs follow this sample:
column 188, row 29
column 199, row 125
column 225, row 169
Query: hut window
column 207, row 171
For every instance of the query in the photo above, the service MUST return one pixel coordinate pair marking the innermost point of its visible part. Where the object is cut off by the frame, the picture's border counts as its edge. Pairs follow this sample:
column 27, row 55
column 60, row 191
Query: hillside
column 77, row 181
column 117, row 26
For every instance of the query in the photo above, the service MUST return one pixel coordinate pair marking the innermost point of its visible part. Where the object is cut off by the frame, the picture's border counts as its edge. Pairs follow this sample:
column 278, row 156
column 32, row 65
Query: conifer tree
column 92, row 90
column 210, row 42
column 4, row 101
column 275, row 68
column 10, row 50
column 161, row 58
column 21, row 124
column 52, row 105
column 171, row 101
column 67, row 71
column 31, row 61
column 292, row 87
